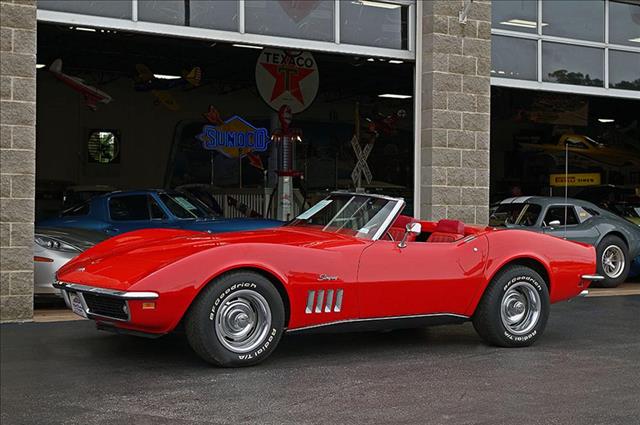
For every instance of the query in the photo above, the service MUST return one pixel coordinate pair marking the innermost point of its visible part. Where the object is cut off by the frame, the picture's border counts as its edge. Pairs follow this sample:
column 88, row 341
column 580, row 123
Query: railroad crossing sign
column 361, row 165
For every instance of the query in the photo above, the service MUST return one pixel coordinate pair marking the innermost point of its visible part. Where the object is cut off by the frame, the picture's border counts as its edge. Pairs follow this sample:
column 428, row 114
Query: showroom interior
column 155, row 143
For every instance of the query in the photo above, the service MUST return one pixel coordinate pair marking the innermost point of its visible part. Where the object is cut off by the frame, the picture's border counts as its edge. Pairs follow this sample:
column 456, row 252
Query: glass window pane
column 574, row 19
column 311, row 20
column 624, row 70
column 109, row 8
column 624, row 23
column 567, row 64
column 513, row 58
column 218, row 14
column 373, row 23
column 517, row 15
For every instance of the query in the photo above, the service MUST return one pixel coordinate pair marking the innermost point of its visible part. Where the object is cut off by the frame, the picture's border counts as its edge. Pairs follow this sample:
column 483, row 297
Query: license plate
column 76, row 304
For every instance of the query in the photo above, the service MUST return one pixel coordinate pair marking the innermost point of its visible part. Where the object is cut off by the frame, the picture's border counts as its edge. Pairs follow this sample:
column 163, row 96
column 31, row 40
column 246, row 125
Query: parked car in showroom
column 124, row 211
column 53, row 248
column 349, row 262
column 620, row 200
column 617, row 240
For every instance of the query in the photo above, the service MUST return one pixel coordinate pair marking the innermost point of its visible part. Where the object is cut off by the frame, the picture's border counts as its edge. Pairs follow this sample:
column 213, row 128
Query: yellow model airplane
column 159, row 86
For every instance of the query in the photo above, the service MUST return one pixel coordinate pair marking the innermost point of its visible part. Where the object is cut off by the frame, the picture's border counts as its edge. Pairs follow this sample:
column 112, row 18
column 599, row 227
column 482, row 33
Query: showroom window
column 384, row 28
column 513, row 57
column 223, row 14
column 104, row 146
column 543, row 44
column 310, row 20
column 372, row 23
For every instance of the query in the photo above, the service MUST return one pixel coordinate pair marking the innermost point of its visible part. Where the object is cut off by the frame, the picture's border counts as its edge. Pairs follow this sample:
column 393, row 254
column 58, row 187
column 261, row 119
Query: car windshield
column 361, row 216
column 183, row 205
column 515, row 214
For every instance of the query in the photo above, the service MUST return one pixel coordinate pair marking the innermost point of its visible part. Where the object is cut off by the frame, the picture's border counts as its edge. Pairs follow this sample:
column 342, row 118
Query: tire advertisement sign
column 287, row 78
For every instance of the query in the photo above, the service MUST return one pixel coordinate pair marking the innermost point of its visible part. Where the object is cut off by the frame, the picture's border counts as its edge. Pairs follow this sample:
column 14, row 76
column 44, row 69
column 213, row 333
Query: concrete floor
column 584, row 370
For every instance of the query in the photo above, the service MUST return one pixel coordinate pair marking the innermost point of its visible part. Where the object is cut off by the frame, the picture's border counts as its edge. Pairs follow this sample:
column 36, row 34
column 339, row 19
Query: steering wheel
column 389, row 236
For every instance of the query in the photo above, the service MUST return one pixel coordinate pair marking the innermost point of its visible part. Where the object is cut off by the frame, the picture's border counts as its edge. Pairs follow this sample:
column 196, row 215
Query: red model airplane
column 351, row 261
column 92, row 96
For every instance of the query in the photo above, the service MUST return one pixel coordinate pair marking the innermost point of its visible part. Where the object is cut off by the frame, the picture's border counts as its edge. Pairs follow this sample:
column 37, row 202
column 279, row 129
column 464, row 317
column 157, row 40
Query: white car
column 54, row 247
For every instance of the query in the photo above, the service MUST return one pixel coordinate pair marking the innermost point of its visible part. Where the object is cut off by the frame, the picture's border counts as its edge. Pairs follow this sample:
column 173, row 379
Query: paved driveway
column 584, row 370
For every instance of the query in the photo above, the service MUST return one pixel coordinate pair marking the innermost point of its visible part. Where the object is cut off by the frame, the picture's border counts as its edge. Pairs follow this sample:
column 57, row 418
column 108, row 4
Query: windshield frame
column 398, row 206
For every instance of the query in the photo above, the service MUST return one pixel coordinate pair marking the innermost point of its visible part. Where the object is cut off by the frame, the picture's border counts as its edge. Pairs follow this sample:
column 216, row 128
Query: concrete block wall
column 456, row 96
column 17, row 157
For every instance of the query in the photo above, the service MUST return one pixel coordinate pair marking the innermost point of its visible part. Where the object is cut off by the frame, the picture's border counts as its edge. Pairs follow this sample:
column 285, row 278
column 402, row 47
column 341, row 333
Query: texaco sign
column 287, row 78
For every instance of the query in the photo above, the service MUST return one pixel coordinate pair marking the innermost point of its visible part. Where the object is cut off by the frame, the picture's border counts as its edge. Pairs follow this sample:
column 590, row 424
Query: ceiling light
column 522, row 23
column 84, row 29
column 635, row 40
column 40, row 65
column 395, row 96
column 247, row 46
column 395, row 61
column 605, row 120
column 167, row 77
column 371, row 60
column 379, row 4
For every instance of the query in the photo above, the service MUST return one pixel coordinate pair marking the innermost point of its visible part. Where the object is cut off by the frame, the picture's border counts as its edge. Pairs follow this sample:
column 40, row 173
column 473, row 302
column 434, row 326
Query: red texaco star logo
column 288, row 78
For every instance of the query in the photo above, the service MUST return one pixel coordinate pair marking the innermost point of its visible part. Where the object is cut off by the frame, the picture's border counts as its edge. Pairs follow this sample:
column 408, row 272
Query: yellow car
column 587, row 148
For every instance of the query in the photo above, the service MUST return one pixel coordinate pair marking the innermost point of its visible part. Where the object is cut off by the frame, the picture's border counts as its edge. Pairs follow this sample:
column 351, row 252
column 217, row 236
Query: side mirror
column 411, row 229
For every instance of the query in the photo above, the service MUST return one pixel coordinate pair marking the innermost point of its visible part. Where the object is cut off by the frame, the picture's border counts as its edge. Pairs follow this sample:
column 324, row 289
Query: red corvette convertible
column 349, row 262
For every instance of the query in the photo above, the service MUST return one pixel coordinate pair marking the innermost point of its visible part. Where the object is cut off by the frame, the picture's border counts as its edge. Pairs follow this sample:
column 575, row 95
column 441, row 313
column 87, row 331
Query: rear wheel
column 237, row 320
column 514, row 309
column 613, row 261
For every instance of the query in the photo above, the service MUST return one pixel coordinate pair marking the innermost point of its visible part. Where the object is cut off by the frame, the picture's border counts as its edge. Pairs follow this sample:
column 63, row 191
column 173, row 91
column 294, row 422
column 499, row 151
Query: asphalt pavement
column 584, row 370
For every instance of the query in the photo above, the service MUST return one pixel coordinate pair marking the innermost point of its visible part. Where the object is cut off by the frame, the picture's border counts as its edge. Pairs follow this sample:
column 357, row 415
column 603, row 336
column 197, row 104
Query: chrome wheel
column 613, row 261
column 520, row 308
column 243, row 321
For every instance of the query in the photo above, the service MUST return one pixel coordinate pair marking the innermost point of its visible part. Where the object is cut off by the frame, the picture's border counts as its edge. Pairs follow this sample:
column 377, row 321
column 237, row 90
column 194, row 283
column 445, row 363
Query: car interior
column 433, row 232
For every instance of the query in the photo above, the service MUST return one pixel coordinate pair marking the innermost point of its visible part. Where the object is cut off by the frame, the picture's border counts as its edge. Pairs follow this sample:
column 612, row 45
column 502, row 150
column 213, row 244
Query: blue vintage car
column 124, row 211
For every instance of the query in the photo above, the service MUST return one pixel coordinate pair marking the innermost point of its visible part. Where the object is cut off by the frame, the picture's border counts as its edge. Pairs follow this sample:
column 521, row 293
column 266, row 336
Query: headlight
column 55, row 244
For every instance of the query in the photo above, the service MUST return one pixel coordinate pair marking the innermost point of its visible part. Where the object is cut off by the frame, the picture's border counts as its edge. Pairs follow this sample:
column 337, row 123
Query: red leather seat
column 398, row 229
column 447, row 231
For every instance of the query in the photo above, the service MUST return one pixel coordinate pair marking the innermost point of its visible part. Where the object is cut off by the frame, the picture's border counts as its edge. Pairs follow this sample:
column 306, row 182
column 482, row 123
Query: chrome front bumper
column 125, row 295
column 591, row 278
column 101, row 303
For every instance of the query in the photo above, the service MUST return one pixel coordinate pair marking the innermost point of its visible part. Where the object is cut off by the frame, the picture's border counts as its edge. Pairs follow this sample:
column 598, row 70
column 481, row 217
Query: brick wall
column 456, row 97
column 17, row 157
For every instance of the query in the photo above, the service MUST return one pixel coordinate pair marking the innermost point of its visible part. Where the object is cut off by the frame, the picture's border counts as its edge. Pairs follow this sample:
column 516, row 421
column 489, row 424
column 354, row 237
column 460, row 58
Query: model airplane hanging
column 147, row 81
column 92, row 96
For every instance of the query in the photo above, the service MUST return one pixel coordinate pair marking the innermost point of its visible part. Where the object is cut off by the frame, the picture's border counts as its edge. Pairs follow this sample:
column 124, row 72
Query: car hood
column 123, row 260
column 221, row 225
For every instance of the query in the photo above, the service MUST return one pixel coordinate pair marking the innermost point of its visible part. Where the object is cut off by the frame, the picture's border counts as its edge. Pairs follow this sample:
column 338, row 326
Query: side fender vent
column 324, row 301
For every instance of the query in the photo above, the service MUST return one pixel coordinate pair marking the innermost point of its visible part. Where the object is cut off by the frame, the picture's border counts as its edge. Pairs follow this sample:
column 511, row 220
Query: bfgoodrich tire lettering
column 237, row 320
column 514, row 309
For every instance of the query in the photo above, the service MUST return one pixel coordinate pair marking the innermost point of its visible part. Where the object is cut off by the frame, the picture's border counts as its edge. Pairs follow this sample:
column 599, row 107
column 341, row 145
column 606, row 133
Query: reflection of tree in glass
column 103, row 146
column 627, row 85
column 577, row 78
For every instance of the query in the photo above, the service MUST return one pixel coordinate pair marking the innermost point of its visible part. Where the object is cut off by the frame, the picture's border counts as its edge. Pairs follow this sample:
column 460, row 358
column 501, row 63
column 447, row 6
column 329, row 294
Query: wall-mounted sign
column 234, row 137
column 579, row 179
column 287, row 78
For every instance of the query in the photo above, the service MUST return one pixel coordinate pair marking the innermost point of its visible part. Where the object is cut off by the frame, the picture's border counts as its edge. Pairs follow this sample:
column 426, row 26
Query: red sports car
column 351, row 261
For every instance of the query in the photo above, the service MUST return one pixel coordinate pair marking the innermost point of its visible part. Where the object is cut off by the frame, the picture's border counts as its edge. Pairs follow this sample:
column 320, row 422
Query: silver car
column 53, row 248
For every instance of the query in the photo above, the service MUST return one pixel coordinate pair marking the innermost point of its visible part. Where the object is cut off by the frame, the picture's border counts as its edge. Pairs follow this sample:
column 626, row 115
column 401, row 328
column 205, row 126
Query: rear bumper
column 592, row 277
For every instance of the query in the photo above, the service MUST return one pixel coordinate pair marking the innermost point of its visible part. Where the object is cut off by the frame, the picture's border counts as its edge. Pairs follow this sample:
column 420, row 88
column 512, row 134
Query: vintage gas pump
column 285, row 139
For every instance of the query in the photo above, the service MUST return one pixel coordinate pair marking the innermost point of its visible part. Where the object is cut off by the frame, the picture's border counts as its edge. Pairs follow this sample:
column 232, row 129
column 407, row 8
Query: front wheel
column 612, row 261
column 237, row 320
column 514, row 309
